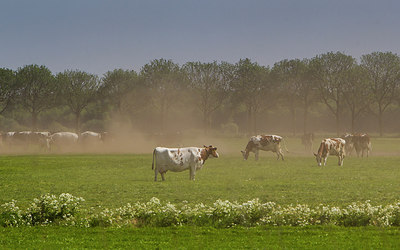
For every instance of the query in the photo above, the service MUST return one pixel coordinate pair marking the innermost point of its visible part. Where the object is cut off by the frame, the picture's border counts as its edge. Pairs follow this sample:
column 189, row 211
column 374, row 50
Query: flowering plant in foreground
column 64, row 210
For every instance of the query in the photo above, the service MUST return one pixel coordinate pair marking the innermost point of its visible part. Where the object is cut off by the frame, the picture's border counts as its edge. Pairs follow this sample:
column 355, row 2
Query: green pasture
column 201, row 238
column 113, row 180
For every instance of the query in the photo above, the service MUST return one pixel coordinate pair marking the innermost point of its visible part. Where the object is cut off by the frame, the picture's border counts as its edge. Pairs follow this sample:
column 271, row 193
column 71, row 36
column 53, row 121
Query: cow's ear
column 204, row 146
column 215, row 148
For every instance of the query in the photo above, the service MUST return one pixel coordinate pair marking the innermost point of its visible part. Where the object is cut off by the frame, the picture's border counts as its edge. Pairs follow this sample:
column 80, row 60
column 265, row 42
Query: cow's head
column 318, row 158
column 210, row 150
column 245, row 154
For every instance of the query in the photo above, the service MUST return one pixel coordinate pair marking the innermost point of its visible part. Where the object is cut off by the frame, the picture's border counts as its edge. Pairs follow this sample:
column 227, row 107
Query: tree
column 164, row 79
column 251, row 86
column 356, row 94
column 331, row 72
column 8, row 87
column 78, row 89
column 117, row 85
column 383, row 76
column 37, row 90
column 296, row 88
column 207, row 81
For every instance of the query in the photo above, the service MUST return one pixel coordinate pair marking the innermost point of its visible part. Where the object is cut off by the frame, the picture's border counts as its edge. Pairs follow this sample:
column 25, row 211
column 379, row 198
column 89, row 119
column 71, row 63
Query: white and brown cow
column 362, row 143
column 181, row 159
column 265, row 143
column 331, row 146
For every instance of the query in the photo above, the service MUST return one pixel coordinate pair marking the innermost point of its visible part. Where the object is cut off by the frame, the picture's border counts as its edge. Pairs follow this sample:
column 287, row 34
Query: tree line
column 164, row 96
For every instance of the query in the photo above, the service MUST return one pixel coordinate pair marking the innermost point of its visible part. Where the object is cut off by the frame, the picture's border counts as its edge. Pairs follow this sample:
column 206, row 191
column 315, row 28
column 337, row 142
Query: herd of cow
column 48, row 141
column 193, row 158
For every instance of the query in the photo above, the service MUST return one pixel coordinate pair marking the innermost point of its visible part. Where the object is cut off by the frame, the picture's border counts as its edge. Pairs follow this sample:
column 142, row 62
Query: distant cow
column 349, row 143
column 180, row 159
column 41, row 138
column 88, row 138
column 331, row 146
column 63, row 139
column 362, row 143
column 307, row 140
column 265, row 143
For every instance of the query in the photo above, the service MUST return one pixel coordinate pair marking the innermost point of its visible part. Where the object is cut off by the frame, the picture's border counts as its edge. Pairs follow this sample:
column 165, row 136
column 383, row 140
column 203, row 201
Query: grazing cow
column 63, row 139
column 265, row 143
column 307, row 140
column 180, row 159
column 362, row 143
column 333, row 146
column 89, row 138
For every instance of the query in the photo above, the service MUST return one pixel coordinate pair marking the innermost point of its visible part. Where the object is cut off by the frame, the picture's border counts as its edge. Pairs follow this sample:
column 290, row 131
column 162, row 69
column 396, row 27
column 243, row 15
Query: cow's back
column 175, row 159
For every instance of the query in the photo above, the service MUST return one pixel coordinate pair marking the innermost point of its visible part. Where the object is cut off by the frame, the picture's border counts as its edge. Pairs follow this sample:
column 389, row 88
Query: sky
column 97, row 36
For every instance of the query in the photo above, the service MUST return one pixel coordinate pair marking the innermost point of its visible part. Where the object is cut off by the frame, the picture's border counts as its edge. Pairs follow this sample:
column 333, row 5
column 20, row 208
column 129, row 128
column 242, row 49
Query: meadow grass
column 114, row 180
column 316, row 237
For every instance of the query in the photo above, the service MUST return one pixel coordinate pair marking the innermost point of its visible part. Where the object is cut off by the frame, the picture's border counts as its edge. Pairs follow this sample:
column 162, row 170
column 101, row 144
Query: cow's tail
column 152, row 164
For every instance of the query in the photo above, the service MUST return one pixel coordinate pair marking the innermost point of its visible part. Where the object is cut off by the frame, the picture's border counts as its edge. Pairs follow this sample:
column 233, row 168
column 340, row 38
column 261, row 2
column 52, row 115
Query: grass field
column 114, row 180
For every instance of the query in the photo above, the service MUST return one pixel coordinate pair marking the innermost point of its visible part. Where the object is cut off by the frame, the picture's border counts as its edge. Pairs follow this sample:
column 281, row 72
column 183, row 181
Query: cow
column 41, row 138
column 362, row 143
column 307, row 140
column 89, row 138
column 349, row 143
column 63, row 139
column 331, row 146
column 265, row 143
column 181, row 159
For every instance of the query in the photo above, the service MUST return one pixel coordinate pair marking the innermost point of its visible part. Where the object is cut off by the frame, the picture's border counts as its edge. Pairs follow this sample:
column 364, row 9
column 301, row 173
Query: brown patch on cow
column 204, row 154
column 323, row 149
column 266, row 139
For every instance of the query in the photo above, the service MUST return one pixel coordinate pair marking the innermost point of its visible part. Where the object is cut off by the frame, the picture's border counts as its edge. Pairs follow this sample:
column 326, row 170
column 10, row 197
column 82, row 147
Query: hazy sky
column 101, row 35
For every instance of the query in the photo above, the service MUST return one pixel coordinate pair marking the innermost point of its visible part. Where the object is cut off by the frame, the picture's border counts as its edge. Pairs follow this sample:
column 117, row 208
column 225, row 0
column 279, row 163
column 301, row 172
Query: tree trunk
column 205, row 122
column 293, row 111
column 380, row 118
column 249, row 117
column 77, row 122
column 34, row 121
column 305, row 117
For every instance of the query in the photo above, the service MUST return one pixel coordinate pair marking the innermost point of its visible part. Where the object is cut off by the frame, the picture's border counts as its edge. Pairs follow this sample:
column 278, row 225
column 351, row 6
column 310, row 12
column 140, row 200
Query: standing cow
column 331, row 146
column 362, row 143
column 265, row 143
column 62, row 140
column 89, row 138
column 180, row 159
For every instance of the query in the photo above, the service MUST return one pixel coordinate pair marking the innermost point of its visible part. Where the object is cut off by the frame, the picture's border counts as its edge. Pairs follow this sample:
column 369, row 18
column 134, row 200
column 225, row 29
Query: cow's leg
column 325, row 159
column 162, row 176
column 281, row 153
column 192, row 172
column 342, row 160
column 155, row 172
column 256, row 153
